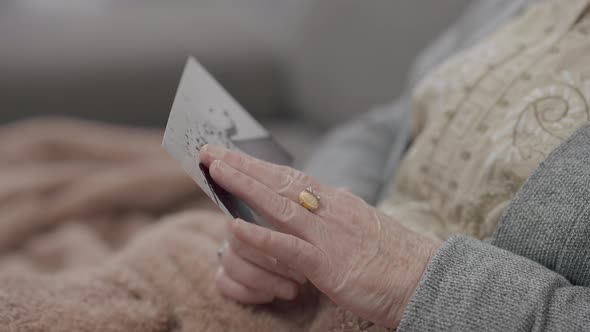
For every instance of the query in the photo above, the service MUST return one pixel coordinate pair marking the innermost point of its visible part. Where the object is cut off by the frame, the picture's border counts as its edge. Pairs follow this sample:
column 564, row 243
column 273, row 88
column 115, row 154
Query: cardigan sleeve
column 474, row 286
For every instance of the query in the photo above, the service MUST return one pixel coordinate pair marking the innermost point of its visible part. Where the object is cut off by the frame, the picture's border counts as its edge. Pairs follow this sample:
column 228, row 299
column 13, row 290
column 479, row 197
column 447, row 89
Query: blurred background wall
column 298, row 65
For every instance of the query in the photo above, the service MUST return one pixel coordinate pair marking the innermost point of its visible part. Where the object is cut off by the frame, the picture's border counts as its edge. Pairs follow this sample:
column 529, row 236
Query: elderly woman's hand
column 360, row 258
column 250, row 276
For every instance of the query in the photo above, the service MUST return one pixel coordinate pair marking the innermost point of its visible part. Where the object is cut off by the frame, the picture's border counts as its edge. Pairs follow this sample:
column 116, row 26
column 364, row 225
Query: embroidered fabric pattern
column 489, row 116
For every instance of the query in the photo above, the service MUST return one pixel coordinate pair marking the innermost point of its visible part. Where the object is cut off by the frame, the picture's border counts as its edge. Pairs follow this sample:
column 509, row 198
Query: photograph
column 294, row 165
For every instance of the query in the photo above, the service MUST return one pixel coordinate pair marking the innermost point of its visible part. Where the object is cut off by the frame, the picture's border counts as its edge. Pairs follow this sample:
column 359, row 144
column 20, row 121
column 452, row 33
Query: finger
column 94, row 141
column 239, row 292
column 256, row 278
column 283, row 180
column 281, row 212
column 264, row 261
column 300, row 255
column 119, row 188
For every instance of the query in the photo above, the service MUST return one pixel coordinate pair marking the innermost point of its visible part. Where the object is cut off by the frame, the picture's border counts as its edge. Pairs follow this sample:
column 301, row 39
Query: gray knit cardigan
column 534, row 275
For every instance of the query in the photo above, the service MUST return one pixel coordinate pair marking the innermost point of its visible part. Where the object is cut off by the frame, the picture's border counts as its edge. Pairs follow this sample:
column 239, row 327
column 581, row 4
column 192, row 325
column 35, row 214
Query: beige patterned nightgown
column 488, row 116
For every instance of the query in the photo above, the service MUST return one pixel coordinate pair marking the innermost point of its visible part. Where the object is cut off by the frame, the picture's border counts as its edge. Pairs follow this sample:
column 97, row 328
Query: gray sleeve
column 473, row 286
column 361, row 154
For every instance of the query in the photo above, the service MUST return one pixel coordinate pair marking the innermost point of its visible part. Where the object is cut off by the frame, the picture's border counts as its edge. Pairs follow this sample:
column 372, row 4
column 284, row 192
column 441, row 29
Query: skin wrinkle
column 428, row 255
column 285, row 211
column 262, row 260
column 367, row 262
column 284, row 187
column 384, row 300
column 288, row 179
column 248, row 273
column 340, row 286
column 349, row 259
column 251, row 190
column 246, row 294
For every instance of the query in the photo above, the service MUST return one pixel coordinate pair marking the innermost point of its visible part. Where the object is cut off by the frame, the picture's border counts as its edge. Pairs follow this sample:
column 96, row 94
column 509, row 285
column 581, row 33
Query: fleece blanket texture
column 101, row 231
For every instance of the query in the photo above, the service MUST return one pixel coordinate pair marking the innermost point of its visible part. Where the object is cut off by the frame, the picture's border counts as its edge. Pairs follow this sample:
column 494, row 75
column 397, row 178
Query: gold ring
column 309, row 199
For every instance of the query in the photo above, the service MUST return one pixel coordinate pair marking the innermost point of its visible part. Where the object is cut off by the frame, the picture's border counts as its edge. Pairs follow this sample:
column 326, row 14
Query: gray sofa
column 298, row 65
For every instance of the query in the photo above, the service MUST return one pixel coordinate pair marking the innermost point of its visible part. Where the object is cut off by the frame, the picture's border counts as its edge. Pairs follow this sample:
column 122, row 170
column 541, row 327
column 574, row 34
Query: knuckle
column 306, row 180
column 296, row 251
column 282, row 169
column 286, row 182
column 285, row 211
column 292, row 176
column 239, row 160
column 311, row 257
column 267, row 239
column 279, row 268
column 318, row 262
column 301, row 177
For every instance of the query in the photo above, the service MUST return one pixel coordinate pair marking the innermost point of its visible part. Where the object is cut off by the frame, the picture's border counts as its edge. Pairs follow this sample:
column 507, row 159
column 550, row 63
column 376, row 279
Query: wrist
column 424, row 251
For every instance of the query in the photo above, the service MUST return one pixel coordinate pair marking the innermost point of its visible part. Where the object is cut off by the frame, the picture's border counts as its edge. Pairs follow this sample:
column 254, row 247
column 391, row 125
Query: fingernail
column 218, row 164
column 286, row 291
column 296, row 276
column 219, row 271
column 215, row 151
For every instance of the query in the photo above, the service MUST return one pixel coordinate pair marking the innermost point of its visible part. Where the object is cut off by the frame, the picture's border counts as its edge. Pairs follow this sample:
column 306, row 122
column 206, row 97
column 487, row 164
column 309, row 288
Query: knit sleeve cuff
column 473, row 286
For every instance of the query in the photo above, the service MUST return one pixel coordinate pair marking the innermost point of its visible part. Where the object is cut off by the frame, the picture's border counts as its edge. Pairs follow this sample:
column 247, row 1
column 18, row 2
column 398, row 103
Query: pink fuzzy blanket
column 101, row 231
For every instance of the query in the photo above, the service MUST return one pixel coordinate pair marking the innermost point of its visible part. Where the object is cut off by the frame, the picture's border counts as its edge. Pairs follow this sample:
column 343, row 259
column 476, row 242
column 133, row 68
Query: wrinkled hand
column 360, row 258
column 248, row 275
